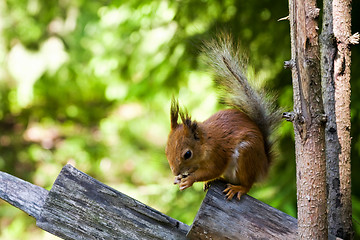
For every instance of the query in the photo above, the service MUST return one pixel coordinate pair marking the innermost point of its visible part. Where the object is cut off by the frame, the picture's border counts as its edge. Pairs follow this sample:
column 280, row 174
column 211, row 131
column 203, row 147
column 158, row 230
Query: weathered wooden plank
column 248, row 218
column 21, row 194
column 80, row 207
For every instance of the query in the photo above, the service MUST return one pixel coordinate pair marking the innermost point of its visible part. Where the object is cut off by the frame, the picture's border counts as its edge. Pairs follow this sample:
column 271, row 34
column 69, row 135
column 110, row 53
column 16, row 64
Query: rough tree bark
column 342, row 32
column 328, row 53
column 335, row 61
column 308, row 119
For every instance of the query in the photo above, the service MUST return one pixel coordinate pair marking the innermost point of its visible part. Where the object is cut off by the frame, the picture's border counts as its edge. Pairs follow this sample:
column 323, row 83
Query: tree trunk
column 342, row 33
column 333, row 148
column 308, row 120
column 335, row 55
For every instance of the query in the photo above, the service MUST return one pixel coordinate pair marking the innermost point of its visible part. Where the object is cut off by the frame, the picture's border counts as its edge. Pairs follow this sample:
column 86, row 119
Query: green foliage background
column 89, row 83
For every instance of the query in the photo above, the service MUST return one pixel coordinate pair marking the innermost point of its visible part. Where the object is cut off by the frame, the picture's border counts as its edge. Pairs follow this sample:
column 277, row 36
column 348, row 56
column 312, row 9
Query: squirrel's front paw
column 177, row 179
column 186, row 182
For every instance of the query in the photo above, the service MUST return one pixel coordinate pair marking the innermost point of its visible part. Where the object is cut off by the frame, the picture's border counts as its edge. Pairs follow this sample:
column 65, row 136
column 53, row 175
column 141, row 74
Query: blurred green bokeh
column 90, row 82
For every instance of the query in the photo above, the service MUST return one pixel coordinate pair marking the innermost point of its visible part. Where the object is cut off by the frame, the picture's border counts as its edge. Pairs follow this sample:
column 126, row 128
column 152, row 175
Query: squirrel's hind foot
column 231, row 190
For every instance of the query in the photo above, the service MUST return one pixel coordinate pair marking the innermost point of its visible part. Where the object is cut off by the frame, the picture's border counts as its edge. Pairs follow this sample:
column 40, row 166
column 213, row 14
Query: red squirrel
column 233, row 144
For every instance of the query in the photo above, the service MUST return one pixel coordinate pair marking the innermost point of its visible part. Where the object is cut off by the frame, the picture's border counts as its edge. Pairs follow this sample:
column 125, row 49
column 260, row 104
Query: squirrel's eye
column 187, row 155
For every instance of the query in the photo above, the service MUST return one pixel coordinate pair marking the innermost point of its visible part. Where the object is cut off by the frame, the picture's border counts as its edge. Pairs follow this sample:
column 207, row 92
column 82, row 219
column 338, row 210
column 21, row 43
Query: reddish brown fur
column 233, row 144
column 228, row 145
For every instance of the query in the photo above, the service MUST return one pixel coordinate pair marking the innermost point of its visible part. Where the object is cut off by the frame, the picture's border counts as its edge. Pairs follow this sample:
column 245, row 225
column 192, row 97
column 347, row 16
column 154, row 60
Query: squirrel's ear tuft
column 190, row 126
column 195, row 130
column 174, row 113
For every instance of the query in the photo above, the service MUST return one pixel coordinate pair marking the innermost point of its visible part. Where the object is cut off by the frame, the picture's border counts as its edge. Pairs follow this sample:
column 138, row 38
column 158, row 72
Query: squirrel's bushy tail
column 236, row 90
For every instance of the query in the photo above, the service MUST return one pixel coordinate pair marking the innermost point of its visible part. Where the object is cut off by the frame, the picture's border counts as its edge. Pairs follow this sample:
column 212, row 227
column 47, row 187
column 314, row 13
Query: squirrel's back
column 240, row 144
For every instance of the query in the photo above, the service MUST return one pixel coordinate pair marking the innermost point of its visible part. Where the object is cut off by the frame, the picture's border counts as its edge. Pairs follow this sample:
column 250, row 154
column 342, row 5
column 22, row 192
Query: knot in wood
column 289, row 64
column 313, row 12
column 354, row 39
column 288, row 116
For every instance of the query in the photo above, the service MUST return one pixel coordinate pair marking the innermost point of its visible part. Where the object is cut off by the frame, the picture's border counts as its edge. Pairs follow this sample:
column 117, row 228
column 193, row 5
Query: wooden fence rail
column 80, row 207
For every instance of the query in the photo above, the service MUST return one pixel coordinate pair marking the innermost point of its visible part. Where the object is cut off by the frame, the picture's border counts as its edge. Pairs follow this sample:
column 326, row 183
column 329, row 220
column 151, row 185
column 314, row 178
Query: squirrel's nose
column 175, row 173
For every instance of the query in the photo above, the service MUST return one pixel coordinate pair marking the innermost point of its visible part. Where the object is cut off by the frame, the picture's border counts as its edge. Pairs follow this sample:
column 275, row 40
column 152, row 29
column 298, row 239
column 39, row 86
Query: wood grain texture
column 248, row 218
column 21, row 194
column 80, row 207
